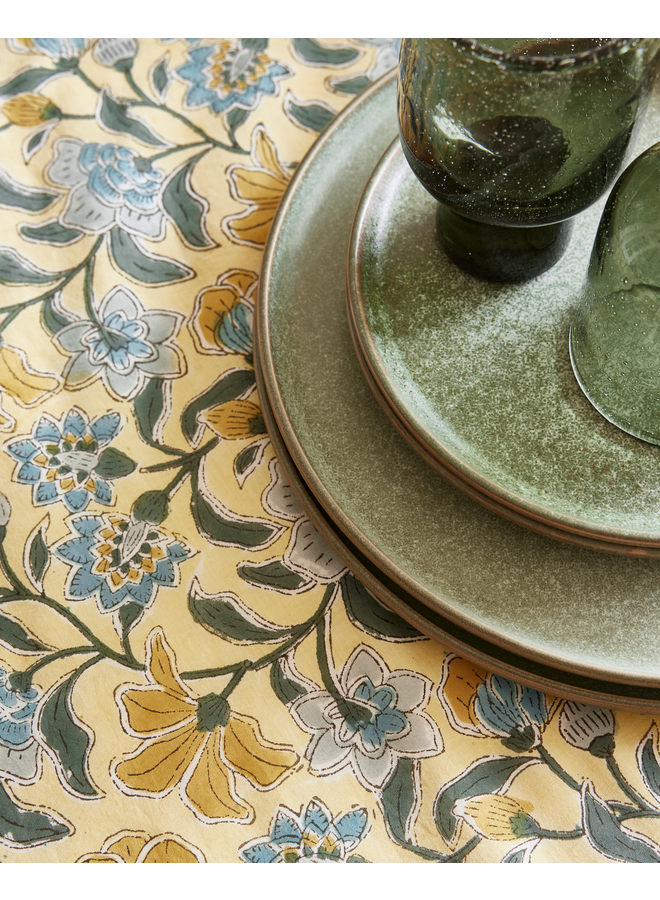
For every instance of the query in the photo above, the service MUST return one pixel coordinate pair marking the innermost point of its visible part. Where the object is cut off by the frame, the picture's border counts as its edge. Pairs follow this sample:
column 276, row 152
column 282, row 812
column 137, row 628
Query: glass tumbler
column 615, row 334
column 514, row 137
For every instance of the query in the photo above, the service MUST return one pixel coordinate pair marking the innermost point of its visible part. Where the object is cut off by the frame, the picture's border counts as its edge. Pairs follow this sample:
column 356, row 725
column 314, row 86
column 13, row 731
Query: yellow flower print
column 496, row 817
column 29, row 110
column 222, row 319
column 199, row 744
column 139, row 847
column 236, row 420
column 261, row 186
column 21, row 382
column 457, row 691
column 7, row 422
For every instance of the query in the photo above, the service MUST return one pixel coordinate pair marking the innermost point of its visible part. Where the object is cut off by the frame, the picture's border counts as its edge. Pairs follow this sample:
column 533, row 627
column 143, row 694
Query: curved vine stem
column 10, row 312
column 88, row 81
column 627, row 789
column 88, row 293
column 147, row 101
column 557, row 769
column 96, row 643
column 187, row 459
column 52, row 657
column 25, row 593
column 11, row 576
column 246, row 665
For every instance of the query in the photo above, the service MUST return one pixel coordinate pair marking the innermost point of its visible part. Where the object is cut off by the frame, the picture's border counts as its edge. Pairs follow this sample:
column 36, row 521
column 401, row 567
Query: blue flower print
column 117, row 560
column 387, row 55
column 236, row 330
column 108, row 185
column 57, row 48
column 66, row 461
column 377, row 720
column 190, row 41
column 311, row 836
column 229, row 75
column 125, row 347
column 19, row 751
column 17, row 709
column 515, row 713
column 480, row 704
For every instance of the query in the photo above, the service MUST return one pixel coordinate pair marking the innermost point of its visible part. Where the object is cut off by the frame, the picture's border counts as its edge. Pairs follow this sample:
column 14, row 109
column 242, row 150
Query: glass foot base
column 498, row 253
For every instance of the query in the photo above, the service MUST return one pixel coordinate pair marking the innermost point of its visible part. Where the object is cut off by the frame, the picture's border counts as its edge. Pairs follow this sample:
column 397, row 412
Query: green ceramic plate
column 429, row 622
column 491, row 502
column 480, row 373
column 589, row 614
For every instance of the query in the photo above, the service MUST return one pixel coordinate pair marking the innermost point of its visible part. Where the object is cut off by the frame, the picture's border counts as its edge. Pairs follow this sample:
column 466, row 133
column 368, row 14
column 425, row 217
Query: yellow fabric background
column 272, row 139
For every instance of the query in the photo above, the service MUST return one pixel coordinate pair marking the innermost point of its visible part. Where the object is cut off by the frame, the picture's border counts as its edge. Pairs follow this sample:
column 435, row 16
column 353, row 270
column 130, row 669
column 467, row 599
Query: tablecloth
column 180, row 681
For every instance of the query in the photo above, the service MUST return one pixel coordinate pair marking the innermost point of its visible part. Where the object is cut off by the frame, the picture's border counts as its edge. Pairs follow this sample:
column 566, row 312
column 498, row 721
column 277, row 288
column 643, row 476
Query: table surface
column 167, row 632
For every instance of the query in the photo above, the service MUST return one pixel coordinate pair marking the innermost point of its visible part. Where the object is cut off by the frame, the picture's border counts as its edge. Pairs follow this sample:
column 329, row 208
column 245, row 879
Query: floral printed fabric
column 178, row 644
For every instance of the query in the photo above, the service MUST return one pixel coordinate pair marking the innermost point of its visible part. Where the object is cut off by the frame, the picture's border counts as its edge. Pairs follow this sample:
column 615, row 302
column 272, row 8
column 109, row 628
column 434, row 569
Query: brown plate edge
column 470, row 488
column 569, row 685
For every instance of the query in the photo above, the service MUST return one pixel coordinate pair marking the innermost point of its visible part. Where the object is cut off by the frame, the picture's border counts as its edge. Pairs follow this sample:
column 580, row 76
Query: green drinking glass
column 615, row 334
column 514, row 137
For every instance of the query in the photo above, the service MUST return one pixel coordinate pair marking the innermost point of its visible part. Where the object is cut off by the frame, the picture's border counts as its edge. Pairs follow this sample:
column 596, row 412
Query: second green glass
column 514, row 137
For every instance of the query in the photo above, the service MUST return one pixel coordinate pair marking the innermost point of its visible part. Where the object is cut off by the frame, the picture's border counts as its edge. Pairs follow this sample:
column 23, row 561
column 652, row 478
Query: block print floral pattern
column 70, row 460
column 189, row 672
column 197, row 744
column 485, row 705
column 108, row 184
column 223, row 314
column 117, row 560
column 57, row 49
column 139, row 847
column 230, row 75
column 124, row 346
column 260, row 186
column 310, row 836
column 19, row 751
column 375, row 718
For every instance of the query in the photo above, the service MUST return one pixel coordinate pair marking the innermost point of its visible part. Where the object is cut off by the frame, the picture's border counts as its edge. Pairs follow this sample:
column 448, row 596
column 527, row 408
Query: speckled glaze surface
column 480, row 373
column 490, row 501
column 585, row 613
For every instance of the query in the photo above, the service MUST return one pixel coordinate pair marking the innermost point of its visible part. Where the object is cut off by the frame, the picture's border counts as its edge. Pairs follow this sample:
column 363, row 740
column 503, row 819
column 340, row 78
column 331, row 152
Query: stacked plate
column 467, row 385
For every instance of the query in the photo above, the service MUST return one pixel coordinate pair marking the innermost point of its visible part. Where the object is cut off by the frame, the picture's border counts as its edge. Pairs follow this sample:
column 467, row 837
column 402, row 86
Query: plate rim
column 428, row 598
column 491, row 502
column 544, row 677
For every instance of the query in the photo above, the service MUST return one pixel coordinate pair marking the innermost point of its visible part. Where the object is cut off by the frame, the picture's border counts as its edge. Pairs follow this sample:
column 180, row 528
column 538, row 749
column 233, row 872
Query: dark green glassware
column 514, row 137
column 615, row 336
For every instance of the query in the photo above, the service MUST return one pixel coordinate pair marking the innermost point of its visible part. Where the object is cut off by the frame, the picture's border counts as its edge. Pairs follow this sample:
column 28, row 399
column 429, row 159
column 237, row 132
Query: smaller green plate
column 479, row 375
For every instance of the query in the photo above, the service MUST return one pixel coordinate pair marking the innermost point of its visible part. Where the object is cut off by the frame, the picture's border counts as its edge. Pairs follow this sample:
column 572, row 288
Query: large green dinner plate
column 428, row 621
column 581, row 612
